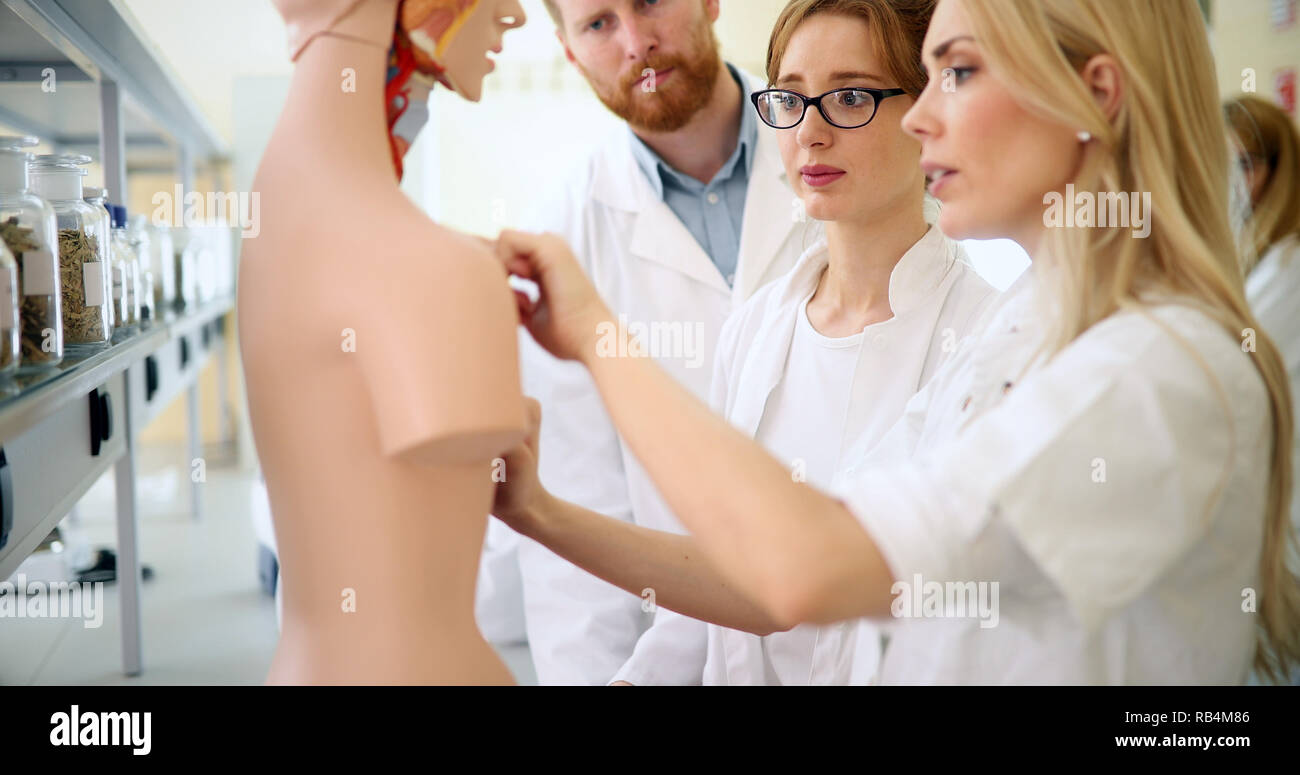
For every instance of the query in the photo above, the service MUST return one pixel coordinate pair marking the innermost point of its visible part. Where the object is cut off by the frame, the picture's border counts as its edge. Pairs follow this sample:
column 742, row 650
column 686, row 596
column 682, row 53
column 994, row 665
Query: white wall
column 211, row 45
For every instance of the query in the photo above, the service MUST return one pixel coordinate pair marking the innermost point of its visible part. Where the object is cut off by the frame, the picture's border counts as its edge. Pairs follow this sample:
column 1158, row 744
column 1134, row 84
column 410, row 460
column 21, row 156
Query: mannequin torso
column 379, row 355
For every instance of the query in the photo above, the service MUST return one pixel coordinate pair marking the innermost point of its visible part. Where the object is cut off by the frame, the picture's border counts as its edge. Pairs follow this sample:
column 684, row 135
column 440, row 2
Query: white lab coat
column 1273, row 290
column 1115, row 493
column 936, row 297
column 648, row 267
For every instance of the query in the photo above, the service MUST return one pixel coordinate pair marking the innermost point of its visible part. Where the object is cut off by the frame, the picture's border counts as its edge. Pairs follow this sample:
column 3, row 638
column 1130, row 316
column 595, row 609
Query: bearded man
column 678, row 218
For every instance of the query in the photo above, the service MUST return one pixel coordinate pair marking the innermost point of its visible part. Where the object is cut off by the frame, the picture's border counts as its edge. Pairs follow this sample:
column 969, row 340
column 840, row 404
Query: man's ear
column 713, row 9
column 1105, row 79
column 559, row 35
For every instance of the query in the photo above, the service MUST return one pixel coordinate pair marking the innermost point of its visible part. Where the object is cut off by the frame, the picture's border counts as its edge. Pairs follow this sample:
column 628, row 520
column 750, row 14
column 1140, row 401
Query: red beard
column 671, row 107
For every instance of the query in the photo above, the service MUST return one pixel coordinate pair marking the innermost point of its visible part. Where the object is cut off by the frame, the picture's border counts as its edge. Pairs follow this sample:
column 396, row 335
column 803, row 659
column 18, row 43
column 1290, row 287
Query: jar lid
column 41, row 170
column 17, row 142
column 93, row 192
column 61, row 161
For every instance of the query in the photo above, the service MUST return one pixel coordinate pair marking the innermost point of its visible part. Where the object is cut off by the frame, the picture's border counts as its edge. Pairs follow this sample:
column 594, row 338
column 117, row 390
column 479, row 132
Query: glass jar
column 146, row 299
column 97, row 198
column 206, row 269
column 162, row 265
column 83, row 253
column 126, row 273
column 189, row 244
column 29, row 228
column 141, row 237
column 10, row 349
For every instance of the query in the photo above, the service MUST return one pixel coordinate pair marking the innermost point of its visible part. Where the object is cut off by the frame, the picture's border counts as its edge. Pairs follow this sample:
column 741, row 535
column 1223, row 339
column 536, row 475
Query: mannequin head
column 451, row 38
column 426, row 40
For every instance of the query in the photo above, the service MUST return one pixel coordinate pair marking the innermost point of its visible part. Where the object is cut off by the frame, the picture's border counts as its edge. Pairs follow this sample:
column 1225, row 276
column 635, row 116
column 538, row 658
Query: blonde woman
column 1268, row 154
column 1103, row 449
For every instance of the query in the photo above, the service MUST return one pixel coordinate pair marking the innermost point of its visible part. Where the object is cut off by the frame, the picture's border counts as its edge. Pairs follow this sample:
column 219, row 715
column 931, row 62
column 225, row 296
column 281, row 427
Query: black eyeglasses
column 843, row 108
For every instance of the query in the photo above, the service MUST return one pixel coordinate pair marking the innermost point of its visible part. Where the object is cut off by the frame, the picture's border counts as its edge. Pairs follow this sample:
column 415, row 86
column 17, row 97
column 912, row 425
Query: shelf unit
column 81, row 76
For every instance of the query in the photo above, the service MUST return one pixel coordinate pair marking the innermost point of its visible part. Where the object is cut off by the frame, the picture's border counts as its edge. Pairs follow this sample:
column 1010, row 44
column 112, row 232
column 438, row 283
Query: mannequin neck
column 336, row 99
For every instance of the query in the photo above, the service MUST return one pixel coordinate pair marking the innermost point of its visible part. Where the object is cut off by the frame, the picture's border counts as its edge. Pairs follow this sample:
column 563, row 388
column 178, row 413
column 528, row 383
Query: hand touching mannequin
column 990, row 476
column 379, row 351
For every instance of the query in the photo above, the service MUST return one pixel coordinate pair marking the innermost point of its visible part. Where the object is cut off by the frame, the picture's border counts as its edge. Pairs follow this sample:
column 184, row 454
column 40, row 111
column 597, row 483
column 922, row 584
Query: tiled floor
column 204, row 617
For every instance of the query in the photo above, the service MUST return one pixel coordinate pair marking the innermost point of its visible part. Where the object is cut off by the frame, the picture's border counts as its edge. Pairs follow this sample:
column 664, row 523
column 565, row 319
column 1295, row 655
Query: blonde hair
column 897, row 32
column 1267, row 132
column 1167, row 139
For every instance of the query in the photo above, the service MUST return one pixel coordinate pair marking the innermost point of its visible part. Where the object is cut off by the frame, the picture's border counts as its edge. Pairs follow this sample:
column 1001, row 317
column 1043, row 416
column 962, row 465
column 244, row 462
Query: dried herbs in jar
column 40, row 332
column 82, row 278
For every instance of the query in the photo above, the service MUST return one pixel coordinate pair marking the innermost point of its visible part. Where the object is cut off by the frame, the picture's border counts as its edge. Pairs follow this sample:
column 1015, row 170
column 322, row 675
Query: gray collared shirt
column 712, row 213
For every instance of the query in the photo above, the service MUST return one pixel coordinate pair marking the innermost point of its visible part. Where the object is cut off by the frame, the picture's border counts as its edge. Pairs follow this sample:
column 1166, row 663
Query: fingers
column 527, row 254
column 518, row 251
column 519, row 266
column 515, row 249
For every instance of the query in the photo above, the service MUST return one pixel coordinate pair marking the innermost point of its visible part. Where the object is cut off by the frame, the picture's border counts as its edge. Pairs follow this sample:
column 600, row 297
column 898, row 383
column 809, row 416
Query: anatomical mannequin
column 379, row 352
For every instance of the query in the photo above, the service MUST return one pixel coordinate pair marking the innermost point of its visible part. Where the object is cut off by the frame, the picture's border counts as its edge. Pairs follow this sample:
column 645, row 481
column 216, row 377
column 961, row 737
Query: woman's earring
column 1085, row 137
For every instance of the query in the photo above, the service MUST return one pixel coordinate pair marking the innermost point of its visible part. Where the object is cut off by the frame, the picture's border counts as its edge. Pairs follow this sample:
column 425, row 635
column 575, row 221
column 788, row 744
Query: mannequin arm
column 439, row 358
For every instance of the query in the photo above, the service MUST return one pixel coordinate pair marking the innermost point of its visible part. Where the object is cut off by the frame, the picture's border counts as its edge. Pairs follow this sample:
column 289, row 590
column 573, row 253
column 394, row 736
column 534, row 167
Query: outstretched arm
column 799, row 554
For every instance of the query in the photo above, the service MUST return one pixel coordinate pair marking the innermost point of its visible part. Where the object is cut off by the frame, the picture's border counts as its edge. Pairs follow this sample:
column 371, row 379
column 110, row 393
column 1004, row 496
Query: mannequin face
column 466, row 58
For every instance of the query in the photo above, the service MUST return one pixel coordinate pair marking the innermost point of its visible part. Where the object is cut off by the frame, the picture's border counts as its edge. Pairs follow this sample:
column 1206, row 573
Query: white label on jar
column 7, row 312
column 117, row 282
column 38, row 273
column 92, row 274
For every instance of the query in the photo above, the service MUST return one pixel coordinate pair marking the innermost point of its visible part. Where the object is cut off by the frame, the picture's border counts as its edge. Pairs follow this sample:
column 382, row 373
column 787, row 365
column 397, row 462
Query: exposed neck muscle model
column 380, row 358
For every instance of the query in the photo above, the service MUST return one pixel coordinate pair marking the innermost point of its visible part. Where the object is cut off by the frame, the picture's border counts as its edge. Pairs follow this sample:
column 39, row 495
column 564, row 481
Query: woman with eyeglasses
column 821, row 362
column 1102, row 448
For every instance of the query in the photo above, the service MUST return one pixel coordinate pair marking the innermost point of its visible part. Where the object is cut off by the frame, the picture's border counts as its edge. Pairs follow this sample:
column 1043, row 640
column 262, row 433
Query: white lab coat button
column 731, row 279
column 713, row 198
column 878, row 340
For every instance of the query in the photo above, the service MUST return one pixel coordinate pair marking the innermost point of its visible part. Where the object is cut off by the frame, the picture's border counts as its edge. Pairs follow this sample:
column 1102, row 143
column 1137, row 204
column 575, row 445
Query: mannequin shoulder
column 421, row 269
